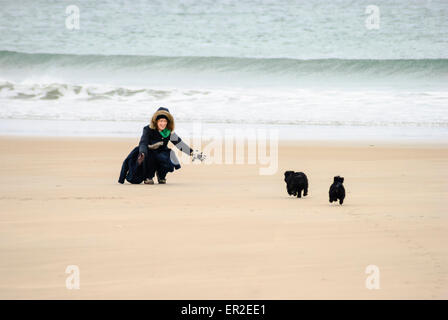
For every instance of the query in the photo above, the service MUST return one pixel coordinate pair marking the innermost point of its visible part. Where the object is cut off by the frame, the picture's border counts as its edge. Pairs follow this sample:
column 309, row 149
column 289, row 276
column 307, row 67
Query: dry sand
column 222, row 231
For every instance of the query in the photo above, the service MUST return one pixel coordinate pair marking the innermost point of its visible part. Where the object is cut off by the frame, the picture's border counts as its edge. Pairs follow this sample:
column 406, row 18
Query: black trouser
column 150, row 164
column 159, row 161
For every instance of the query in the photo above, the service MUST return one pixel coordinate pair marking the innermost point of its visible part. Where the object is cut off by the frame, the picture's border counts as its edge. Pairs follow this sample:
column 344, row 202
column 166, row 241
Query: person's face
column 161, row 124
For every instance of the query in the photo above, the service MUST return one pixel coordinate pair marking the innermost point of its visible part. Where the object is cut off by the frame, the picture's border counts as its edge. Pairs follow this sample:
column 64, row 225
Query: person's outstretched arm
column 181, row 145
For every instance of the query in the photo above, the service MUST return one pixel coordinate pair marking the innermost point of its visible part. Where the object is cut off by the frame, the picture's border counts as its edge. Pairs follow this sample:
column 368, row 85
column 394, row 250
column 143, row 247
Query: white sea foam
column 226, row 105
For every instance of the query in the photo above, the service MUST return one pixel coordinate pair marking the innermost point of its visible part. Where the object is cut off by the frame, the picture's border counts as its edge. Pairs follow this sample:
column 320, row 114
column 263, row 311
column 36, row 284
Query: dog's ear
column 342, row 179
column 335, row 179
column 287, row 173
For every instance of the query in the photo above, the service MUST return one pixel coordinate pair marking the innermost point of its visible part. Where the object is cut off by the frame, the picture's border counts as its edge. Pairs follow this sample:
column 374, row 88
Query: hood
column 165, row 112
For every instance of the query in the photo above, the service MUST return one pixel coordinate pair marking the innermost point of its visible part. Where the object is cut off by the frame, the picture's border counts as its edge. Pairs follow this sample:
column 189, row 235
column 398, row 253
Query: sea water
column 313, row 69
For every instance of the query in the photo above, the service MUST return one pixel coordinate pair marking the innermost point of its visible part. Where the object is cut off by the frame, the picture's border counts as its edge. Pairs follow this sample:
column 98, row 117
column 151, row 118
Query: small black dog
column 295, row 183
column 337, row 190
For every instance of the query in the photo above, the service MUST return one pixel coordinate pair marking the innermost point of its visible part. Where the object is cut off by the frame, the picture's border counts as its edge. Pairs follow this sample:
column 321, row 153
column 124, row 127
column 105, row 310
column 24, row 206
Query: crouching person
column 153, row 147
column 133, row 168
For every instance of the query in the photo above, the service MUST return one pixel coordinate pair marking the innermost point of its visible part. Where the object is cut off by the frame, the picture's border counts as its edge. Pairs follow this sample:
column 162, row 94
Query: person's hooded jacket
column 152, row 141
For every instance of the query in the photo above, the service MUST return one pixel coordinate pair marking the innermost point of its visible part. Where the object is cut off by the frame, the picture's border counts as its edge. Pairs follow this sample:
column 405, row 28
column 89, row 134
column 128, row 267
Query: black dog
column 295, row 183
column 337, row 190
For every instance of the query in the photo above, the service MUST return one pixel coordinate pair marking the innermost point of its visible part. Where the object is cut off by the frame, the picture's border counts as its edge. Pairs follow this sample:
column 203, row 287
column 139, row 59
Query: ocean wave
column 46, row 91
column 274, row 66
column 55, row 91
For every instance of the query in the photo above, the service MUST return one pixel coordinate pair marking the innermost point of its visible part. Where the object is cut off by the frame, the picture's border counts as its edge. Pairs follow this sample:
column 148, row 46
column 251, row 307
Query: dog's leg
column 341, row 201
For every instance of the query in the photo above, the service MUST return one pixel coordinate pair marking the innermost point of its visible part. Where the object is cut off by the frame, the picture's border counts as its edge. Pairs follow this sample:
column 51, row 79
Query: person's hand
column 196, row 155
column 140, row 158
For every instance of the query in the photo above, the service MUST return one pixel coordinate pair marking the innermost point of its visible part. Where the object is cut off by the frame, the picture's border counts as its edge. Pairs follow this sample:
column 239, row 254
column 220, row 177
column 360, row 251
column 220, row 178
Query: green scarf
column 165, row 132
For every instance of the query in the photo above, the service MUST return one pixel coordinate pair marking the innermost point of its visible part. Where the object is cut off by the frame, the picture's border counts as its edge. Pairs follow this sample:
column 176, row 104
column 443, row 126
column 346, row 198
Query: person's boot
column 160, row 179
column 149, row 181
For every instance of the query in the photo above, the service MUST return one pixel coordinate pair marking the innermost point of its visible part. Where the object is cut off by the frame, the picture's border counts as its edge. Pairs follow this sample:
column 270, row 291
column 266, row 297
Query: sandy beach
column 222, row 231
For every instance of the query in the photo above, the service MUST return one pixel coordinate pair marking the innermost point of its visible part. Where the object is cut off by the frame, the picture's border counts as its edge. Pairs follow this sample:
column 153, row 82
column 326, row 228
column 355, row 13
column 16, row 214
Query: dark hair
column 162, row 116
